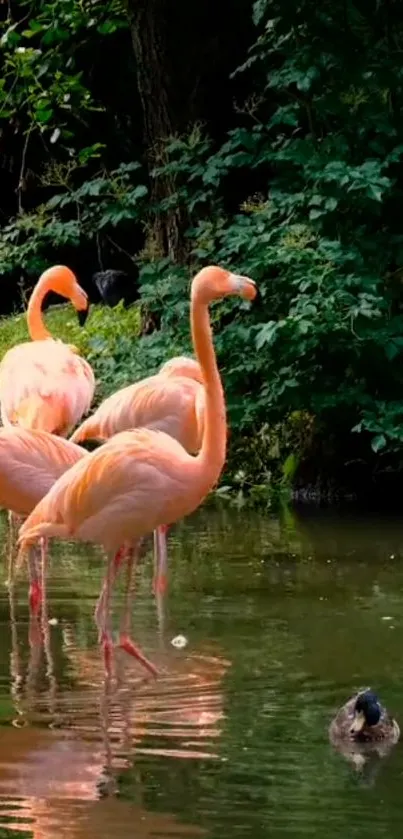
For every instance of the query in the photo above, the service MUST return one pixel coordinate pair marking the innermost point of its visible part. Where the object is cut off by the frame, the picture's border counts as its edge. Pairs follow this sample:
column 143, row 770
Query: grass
column 103, row 325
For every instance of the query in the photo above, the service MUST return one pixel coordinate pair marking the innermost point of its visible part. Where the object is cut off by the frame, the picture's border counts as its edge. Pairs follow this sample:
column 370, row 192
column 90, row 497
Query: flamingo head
column 61, row 280
column 213, row 282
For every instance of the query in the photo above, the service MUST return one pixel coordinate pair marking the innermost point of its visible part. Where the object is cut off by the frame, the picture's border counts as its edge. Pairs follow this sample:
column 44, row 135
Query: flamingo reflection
column 185, row 709
column 63, row 781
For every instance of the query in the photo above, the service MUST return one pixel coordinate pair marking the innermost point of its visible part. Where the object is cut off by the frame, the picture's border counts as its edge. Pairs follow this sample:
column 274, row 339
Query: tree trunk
column 146, row 20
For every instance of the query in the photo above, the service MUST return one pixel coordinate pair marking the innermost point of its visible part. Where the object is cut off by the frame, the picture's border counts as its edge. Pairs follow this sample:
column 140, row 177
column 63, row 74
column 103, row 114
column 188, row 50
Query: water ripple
column 282, row 624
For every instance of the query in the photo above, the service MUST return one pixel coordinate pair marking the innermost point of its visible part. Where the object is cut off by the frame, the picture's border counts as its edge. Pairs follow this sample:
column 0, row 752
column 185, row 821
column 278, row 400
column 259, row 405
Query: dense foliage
column 302, row 192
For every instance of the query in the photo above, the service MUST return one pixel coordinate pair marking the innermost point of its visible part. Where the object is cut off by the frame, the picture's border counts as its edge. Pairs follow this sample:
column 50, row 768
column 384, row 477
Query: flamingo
column 30, row 463
column 170, row 401
column 45, row 384
column 183, row 365
column 141, row 479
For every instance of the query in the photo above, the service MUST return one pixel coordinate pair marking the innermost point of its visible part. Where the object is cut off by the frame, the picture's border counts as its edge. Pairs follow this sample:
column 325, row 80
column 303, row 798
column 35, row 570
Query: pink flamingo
column 171, row 401
column 142, row 479
column 30, row 463
column 45, row 384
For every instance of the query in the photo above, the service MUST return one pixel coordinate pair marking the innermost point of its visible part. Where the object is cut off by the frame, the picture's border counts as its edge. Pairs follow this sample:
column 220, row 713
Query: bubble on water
column 179, row 642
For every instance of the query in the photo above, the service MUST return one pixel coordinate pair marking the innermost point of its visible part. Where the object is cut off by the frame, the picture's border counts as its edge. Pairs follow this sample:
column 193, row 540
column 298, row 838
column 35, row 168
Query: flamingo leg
column 102, row 609
column 132, row 558
column 13, row 523
column 44, row 565
column 50, row 669
column 104, row 606
column 10, row 565
column 35, row 591
column 16, row 669
column 10, row 549
column 159, row 603
column 160, row 580
column 117, row 560
column 35, row 654
column 125, row 642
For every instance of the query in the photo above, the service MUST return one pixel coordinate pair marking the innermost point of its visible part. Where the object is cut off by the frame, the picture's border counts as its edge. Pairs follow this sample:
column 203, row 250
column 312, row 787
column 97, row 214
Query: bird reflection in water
column 178, row 715
column 365, row 759
column 62, row 779
column 55, row 783
column 39, row 641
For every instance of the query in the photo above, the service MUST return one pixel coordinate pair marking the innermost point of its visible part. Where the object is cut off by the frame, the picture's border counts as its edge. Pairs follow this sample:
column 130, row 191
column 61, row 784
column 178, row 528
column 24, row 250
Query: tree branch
column 21, row 179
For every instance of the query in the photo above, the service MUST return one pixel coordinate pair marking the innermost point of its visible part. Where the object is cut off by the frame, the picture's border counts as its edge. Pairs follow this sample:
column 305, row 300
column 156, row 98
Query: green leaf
column 305, row 81
column 90, row 152
column 108, row 27
column 139, row 191
column 316, row 200
column 43, row 115
column 392, row 350
column 315, row 213
column 54, row 202
column 290, row 466
column 378, row 442
column 375, row 192
column 259, row 10
column 266, row 334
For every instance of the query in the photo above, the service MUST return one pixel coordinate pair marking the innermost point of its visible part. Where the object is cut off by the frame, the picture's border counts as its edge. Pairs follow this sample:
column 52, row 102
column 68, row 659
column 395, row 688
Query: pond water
column 284, row 619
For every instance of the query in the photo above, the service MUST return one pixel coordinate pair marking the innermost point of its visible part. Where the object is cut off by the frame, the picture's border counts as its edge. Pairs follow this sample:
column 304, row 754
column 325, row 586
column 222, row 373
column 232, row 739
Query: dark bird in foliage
column 114, row 286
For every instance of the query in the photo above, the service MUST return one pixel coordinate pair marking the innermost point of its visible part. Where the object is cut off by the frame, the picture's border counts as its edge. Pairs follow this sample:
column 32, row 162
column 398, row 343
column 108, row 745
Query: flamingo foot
column 107, row 648
column 126, row 644
column 35, row 597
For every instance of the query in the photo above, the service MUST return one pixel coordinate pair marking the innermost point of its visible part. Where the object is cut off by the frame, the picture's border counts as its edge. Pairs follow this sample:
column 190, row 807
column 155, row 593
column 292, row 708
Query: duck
column 363, row 720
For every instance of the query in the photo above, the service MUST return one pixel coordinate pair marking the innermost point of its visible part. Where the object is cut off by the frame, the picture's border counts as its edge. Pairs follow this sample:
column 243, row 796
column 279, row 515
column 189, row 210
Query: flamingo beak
column 249, row 290
column 82, row 315
column 244, row 286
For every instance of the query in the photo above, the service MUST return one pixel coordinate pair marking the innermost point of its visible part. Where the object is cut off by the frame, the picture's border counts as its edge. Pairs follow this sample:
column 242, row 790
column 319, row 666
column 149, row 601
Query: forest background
column 156, row 137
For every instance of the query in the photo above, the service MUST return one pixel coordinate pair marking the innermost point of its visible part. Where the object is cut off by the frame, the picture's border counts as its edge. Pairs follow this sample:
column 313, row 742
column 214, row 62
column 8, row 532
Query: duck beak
column 82, row 315
column 358, row 723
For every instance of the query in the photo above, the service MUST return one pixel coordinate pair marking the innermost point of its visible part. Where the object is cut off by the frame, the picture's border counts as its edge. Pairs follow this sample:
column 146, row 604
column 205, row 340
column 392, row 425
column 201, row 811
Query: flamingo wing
column 30, row 463
column 182, row 365
column 122, row 491
column 44, row 385
column 158, row 403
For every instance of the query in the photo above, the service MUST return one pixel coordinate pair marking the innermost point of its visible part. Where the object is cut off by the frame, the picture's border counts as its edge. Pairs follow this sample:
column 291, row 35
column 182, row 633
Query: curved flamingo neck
column 36, row 326
column 213, row 448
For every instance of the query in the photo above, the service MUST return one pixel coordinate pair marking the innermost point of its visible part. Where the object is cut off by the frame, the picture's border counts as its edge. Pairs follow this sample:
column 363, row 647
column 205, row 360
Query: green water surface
column 283, row 618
